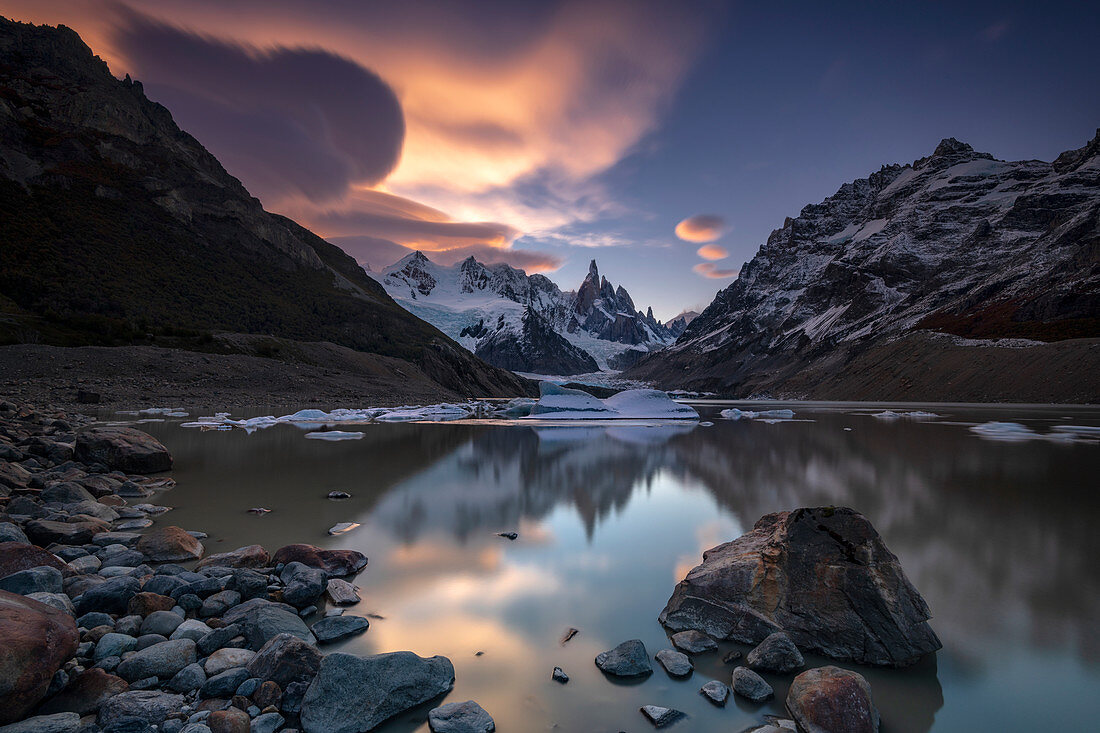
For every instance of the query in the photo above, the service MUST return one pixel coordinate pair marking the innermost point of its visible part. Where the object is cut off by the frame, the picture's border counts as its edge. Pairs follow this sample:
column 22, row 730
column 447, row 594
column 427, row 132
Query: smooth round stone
column 675, row 663
column 336, row 628
column 750, row 685
column 460, row 717
column 227, row 658
column 629, row 659
column 693, row 642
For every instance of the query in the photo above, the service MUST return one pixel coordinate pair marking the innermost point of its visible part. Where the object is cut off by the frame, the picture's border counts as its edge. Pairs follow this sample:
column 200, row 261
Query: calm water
column 1000, row 538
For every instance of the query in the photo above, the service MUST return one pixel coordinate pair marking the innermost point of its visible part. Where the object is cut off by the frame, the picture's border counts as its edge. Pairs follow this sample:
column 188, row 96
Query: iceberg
column 913, row 415
column 736, row 414
column 561, row 403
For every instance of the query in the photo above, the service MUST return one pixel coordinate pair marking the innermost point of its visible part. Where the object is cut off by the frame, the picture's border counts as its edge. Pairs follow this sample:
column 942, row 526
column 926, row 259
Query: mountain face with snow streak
column 482, row 306
column 956, row 243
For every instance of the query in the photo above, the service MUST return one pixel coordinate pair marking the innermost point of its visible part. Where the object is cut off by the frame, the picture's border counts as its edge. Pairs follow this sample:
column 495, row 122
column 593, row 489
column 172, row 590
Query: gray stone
column 161, row 622
column 189, row 678
column 352, row 694
column 192, row 629
column 60, row 601
column 147, row 640
column 460, row 717
column 160, row 660
column 42, row 579
column 777, row 653
column 285, row 659
column 123, row 449
column 716, row 692
column 149, row 706
column 629, row 659
column 559, row 675
column 329, row 630
column 218, row 639
column 55, row 723
column 85, row 564
column 66, row 492
column 113, row 645
column 110, row 596
column 267, row 723
column 675, row 663
column 224, row 684
column 219, row 603
column 659, row 716
column 11, row 533
column 303, row 584
column 130, row 625
column 224, row 659
column 693, row 642
column 750, row 685
column 95, row 618
column 267, row 622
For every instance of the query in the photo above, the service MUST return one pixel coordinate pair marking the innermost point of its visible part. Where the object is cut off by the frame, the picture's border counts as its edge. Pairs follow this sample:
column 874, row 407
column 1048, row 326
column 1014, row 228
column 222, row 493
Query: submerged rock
column 824, row 576
column 460, row 717
column 351, row 694
column 828, row 699
column 629, row 659
column 35, row 640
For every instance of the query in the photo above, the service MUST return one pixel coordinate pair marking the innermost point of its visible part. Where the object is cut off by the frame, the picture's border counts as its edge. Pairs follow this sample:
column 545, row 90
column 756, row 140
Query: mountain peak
column 593, row 271
column 951, row 146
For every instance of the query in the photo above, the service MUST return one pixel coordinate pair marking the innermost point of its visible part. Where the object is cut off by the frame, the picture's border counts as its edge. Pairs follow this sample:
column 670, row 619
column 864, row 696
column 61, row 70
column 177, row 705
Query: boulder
column 266, row 622
column 824, row 576
column 675, row 663
column 337, row 563
column 17, row 556
column 460, row 717
column 351, row 694
column 36, row 641
column 250, row 556
column 750, row 685
column 337, row 628
column 303, row 584
column 53, row 723
column 777, row 653
column 149, row 706
column 123, row 449
column 86, row 693
column 284, row 659
column 161, row 660
column 169, row 544
column 43, row 579
column 629, row 659
column 830, row 699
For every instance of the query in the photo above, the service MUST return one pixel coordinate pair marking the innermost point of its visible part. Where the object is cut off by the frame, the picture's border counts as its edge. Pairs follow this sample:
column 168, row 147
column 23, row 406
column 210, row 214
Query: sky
column 665, row 140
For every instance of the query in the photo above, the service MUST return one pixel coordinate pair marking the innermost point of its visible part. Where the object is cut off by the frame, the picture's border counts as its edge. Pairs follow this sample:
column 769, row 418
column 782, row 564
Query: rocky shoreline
column 116, row 621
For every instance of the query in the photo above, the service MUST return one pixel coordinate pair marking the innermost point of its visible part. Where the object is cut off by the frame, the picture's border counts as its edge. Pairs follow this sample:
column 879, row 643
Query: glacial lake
column 999, row 536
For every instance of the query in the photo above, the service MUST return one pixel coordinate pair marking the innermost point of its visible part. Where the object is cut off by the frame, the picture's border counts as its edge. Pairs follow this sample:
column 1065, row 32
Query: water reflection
column 997, row 537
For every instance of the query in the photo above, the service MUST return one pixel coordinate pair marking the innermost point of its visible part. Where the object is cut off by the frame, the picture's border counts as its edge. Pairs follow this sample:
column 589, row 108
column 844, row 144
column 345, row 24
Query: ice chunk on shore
column 735, row 414
column 561, row 403
column 333, row 435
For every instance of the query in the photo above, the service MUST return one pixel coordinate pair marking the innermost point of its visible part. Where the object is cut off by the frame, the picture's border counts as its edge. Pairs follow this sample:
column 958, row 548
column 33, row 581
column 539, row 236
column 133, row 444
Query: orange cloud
column 712, row 252
column 701, row 228
column 709, row 269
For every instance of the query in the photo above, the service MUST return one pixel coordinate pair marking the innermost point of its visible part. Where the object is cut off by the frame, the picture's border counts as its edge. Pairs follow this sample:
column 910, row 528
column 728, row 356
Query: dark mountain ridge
column 121, row 228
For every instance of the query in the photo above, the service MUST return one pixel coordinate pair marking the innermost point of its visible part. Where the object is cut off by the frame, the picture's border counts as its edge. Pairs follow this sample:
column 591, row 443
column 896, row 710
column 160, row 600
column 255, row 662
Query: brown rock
column 169, row 544
column 334, row 562
column 230, row 720
column 123, row 449
column 144, row 604
column 85, row 694
column 46, row 532
column 832, row 700
column 17, row 556
column 824, row 576
column 268, row 693
column 13, row 476
column 251, row 556
column 112, row 500
column 37, row 640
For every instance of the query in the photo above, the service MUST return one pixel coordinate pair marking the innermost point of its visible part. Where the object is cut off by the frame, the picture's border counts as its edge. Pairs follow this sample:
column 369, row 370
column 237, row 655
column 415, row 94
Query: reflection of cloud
column 709, row 269
column 701, row 228
column 712, row 252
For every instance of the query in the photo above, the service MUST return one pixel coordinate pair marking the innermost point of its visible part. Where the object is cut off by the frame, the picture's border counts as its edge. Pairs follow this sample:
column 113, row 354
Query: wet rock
column 828, row 699
column 267, row 622
column 716, row 692
column 35, row 580
column 53, row 723
column 169, row 544
column 46, row 532
column 659, row 716
column 228, row 721
column 303, row 584
column 18, row 556
column 750, row 685
column 84, row 695
column 267, row 723
column 219, row 603
column 827, row 559
column 113, row 645
column 129, row 625
column 250, row 556
column 693, row 642
column 162, row 660
column 192, row 629
column 224, row 659
column 36, row 641
column 675, row 663
column 187, row 679
column 352, row 694
column 629, row 659
column 337, row 628
column 145, row 603
column 777, row 653
column 148, row 706
column 341, row 592
column 123, row 449
column 460, row 717
column 11, row 533
column 161, row 622
column 224, row 684
column 337, row 563
column 285, row 659
column 559, row 675
column 249, row 583
column 218, row 639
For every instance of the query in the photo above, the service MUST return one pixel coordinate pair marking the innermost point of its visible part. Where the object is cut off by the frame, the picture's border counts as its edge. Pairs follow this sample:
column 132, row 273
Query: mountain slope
column 957, row 242
column 471, row 302
column 119, row 227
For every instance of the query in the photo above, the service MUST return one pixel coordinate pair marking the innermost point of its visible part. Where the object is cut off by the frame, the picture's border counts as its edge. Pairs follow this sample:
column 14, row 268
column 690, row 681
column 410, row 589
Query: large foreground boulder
column 35, row 640
column 18, row 556
column 123, row 449
column 832, row 700
column 824, row 576
column 353, row 694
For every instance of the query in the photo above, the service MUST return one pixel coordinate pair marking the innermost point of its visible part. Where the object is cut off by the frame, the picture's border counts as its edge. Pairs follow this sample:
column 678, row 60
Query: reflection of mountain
column 507, row 474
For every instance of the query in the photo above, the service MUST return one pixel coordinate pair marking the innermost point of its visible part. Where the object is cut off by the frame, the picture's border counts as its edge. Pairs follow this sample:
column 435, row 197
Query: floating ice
column 342, row 527
column 333, row 435
column 913, row 415
column 561, row 403
column 735, row 414
column 1012, row 432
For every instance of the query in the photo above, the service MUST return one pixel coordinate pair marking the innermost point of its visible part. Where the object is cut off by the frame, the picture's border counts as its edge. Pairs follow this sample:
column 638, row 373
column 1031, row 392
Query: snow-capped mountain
column 679, row 323
column 957, row 242
column 485, row 306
